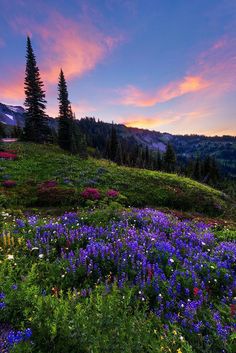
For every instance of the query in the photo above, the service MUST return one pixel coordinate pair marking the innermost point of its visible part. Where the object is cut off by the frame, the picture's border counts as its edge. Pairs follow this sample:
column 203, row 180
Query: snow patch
column 10, row 116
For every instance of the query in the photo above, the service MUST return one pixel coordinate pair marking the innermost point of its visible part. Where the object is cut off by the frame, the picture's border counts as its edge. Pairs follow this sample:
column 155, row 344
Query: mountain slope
column 138, row 187
column 186, row 146
column 11, row 115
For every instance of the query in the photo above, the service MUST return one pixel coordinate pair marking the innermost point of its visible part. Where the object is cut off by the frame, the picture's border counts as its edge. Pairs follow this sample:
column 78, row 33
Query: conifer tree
column 65, row 114
column 36, row 128
column 112, row 144
column 70, row 137
column 2, row 130
column 197, row 171
column 169, row 158
column 119, row 154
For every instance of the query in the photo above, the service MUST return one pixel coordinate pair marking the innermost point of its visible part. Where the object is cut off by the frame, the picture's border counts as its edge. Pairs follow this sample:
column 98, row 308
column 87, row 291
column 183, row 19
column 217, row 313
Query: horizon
column 160, row 66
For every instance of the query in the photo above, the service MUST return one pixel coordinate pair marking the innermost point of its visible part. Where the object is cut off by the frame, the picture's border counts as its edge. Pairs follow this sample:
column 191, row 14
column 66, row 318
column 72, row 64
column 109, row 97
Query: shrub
column 55, row 196
column 9, row 183
column 112, row 193
column 91, row 194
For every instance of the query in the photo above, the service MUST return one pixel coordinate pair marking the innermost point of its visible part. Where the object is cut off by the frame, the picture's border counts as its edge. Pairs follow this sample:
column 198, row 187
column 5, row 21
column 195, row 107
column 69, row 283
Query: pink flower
column 112, row 193
column 195, row 291
column 91, row 194
column 7, row 155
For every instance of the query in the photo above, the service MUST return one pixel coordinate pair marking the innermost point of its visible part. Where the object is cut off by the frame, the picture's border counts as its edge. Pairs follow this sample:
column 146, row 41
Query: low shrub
column 91, row 194
column 112, row 193
column 9, row 183
column 56, row 196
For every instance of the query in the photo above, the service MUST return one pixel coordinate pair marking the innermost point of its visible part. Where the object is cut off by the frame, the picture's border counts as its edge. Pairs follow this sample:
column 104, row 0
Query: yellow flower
column 174, row 332
column 179, row 350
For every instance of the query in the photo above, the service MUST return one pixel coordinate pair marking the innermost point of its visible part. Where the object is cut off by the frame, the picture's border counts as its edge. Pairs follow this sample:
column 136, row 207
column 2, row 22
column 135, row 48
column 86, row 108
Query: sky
column 165, row 65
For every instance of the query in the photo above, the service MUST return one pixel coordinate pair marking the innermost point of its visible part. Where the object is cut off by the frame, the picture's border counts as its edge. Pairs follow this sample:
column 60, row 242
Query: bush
column 9, row 183
column 112, row 193
column 91, row 194
column 56, row 196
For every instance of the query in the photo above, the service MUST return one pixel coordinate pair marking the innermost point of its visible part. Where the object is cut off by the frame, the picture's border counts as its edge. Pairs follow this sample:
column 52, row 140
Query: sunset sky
column 166, row 65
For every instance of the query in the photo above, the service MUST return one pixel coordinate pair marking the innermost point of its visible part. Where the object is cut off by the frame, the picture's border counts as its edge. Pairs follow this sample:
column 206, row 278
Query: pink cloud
column 77, row 47
column 163, row 119
column 12, row 90
column 213, row 74
column 132, row 95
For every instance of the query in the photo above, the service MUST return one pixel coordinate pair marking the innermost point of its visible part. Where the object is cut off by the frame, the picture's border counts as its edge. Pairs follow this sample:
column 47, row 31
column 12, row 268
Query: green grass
column 139, row 187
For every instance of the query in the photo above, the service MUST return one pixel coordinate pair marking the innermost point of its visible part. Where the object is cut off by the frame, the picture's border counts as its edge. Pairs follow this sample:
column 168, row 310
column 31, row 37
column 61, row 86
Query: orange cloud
column 189, row 84
column 12, row 90
column 76, row 47
column 82, row 109
column 164, row 119
column 214, row 72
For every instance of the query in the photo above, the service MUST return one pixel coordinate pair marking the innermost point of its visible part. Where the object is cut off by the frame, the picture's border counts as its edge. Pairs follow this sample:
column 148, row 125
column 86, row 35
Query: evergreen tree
column 119, row 154
column 112, row 144
column 36, row 128
column 197, row 170
column 65, row 115
column 169, row 158
column 2, row 130
column 158, row 160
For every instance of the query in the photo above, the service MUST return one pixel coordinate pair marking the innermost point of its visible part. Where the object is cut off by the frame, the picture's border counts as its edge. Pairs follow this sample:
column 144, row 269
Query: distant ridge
column 223, row 148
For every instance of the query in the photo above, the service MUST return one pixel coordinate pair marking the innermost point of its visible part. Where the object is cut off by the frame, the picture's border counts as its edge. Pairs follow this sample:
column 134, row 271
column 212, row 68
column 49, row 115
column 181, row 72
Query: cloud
column 164, row 119
column 132, row 95
column 82, row 109
column 12, row 91
column 213, row 74
column 76, row 47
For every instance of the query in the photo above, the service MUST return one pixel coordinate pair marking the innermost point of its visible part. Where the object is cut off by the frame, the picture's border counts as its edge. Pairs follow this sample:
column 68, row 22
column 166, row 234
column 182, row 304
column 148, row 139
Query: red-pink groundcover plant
column 48, row 184
column 91, row 194
column 112, row 193
column 8, row 155
column 9, row 183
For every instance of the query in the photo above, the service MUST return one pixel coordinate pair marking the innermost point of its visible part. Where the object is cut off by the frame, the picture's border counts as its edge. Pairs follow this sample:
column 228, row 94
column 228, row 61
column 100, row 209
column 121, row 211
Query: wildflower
column 195, row 291
column 10, row 257
column 179, row 350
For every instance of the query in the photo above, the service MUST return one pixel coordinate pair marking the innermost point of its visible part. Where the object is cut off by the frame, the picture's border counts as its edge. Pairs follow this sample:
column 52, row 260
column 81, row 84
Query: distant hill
column 186, row 146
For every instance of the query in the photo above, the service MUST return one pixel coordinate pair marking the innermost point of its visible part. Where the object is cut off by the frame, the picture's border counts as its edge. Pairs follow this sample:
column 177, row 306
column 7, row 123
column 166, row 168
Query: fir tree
column 119, row 154
column 169, row 158
column 65, row 114
column 197, row 170
column 112, row 144
column 36, row 128
column 2, row 130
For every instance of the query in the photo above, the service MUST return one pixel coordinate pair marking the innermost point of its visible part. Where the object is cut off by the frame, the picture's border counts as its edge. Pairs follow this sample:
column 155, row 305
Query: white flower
column 10, row 257
column 40, row 256
column 171, row 260
column 35, row 248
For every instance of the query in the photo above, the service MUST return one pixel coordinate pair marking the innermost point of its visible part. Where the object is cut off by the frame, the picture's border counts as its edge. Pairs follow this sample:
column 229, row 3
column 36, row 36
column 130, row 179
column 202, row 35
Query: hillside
column 37, row 164
column 186, row 146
